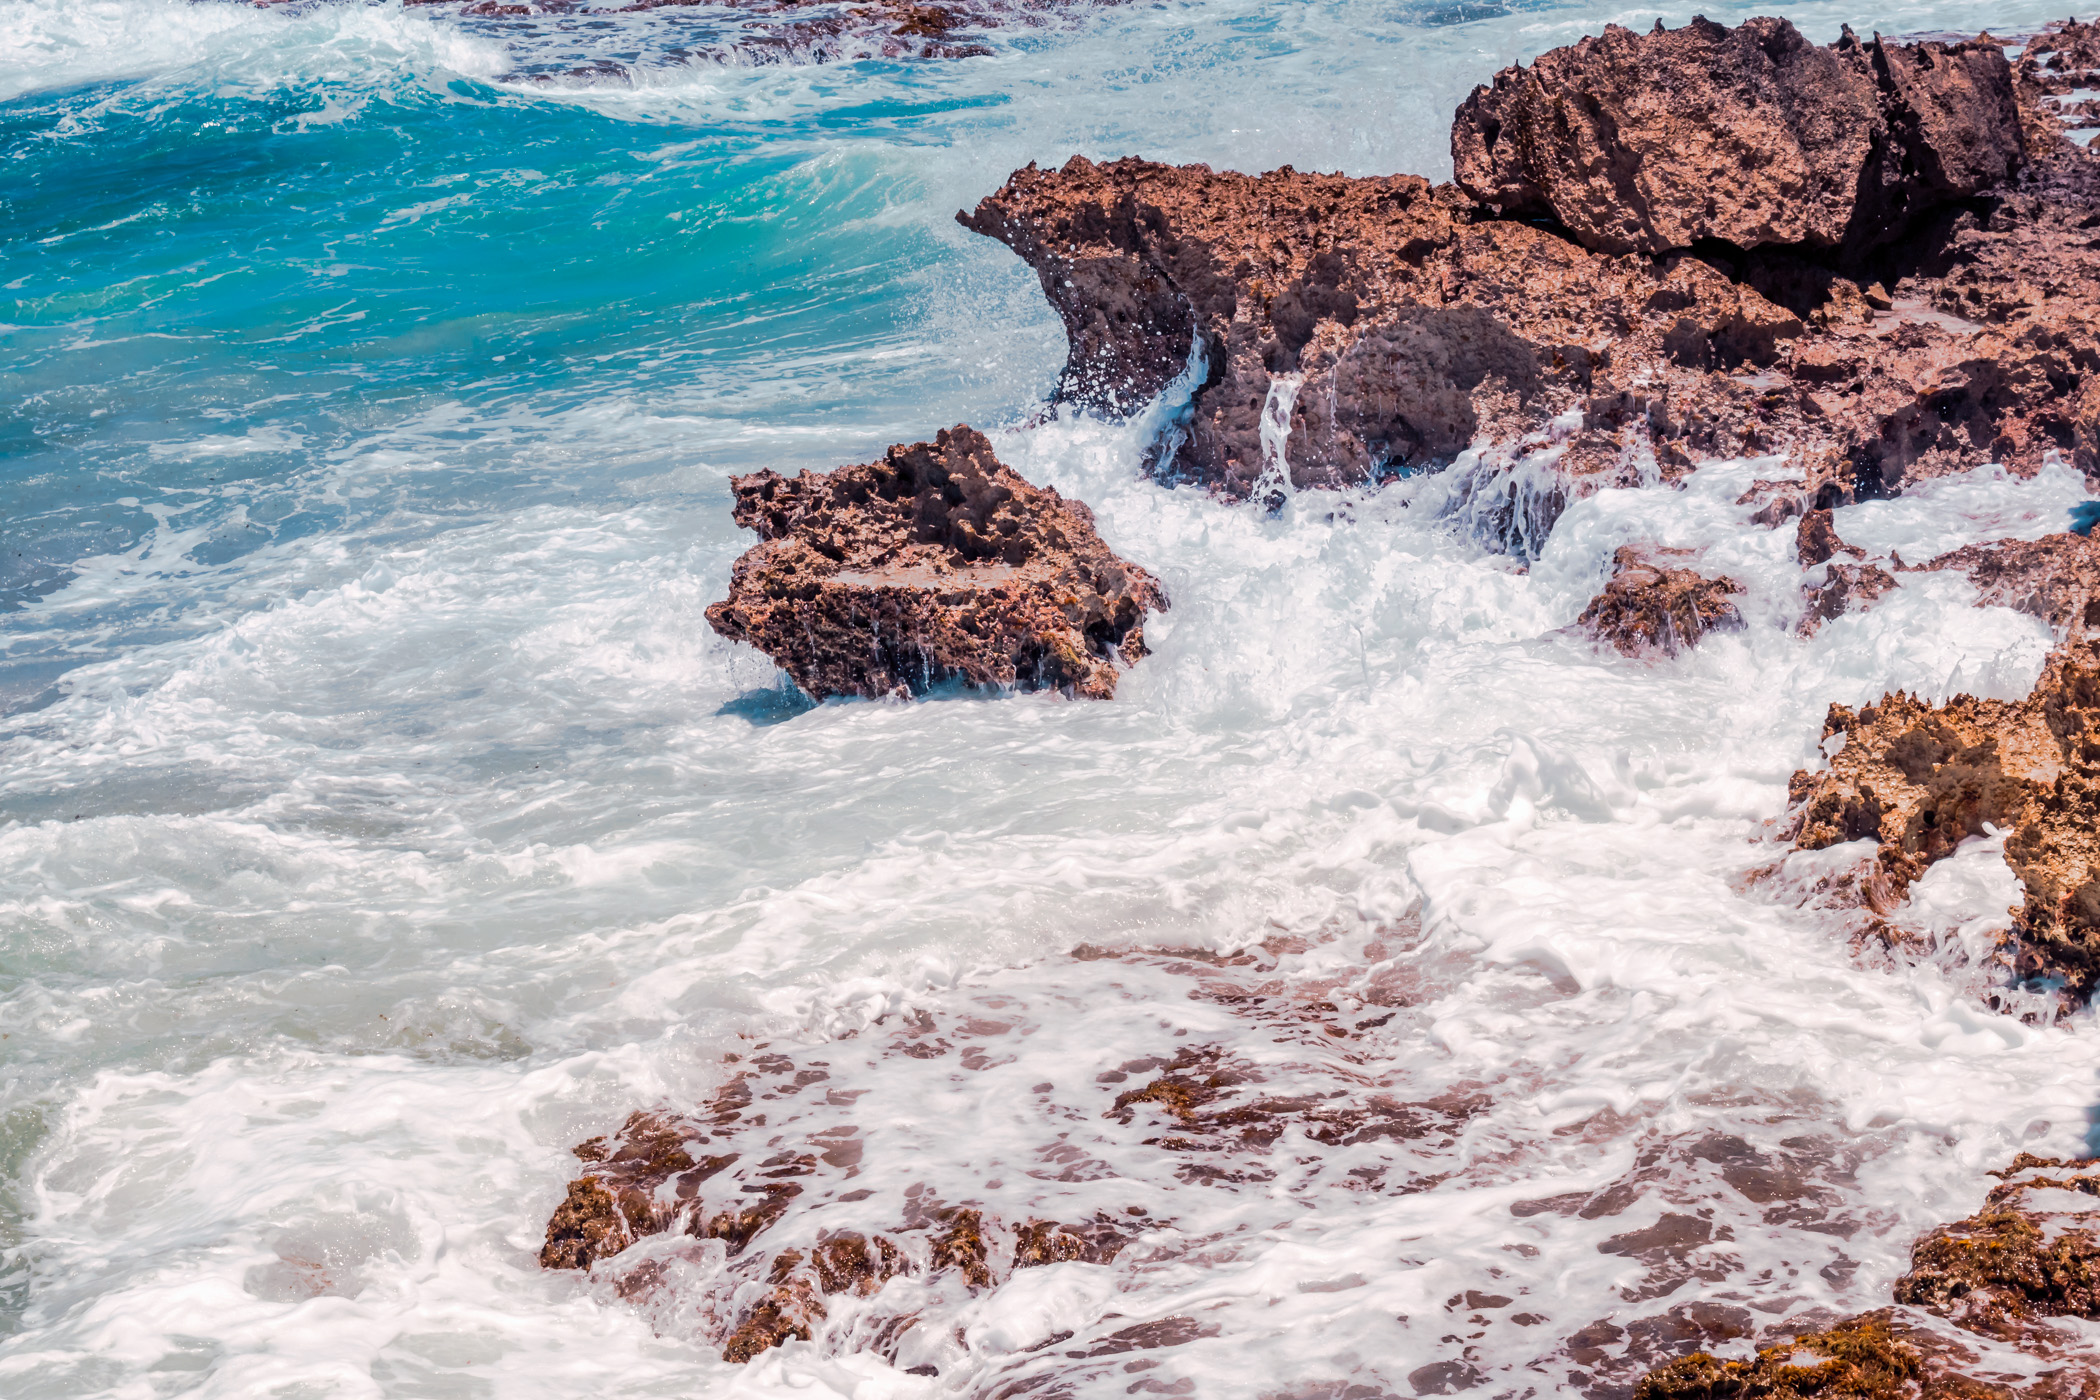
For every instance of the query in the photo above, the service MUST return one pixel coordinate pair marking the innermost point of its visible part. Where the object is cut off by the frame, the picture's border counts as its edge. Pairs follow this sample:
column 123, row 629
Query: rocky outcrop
column 2060, row 61
column 1649, row 607
column 1918, row 779
column 1837, row 589
column 2030, row 1253
column 1753, row 136
column 938, row 563
column 1343, row 329
column 1993, row 1280
column 1339, row 330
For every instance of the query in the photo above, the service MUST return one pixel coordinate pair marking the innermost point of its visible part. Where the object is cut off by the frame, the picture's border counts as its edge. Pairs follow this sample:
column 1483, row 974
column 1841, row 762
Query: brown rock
column 798, row 1282
column 1753, row 135
column 1870, row 1356
column 1816, row 539
column 960, row 1245
column 1997, row 1277
column 937, row 563
column 1375, row 325
column 2055, row 578
column 1647, row 607
column 1845, row 588
column 1347, row 330
column 588, row 1225
column 1919, row 778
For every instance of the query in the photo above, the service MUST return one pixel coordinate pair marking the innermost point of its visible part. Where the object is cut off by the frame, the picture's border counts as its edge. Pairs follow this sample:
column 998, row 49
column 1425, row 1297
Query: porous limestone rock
column 1980, row 1292
column 1339, row 330
column 1650, row 607
column 1645, row 143
column 937, row 563
column 1919, row 778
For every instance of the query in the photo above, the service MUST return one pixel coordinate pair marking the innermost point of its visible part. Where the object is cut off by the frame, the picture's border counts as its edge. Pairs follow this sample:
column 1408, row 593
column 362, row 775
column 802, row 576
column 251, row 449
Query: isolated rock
column 1816, row 539
column 937, row 563
column 1753, row 136
column 1648, row 607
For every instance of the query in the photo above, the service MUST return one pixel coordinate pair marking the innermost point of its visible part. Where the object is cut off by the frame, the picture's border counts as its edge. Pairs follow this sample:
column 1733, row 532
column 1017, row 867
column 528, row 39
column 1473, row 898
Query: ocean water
column 379, row 817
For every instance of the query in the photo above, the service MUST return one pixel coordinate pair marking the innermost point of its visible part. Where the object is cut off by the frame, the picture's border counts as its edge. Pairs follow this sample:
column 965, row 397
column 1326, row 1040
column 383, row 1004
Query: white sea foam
column 425, row 849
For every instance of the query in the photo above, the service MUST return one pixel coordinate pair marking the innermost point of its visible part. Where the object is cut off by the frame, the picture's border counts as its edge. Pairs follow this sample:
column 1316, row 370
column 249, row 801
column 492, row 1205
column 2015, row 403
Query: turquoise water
column 378, row 815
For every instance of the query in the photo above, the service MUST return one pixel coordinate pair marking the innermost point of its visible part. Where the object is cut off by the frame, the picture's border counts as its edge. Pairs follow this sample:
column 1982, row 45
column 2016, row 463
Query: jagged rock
column 1816, row 539
column 937, row 563
column 1843, row 588
column 2014, row 1261
column 1919, row 778
column 1997, row 1277
column 2060, row 60
column 1347, row 329
column 2055, row 578
column 1833, row 588
column 1870, row 1356
column 1753, row 136
column 1648, row 607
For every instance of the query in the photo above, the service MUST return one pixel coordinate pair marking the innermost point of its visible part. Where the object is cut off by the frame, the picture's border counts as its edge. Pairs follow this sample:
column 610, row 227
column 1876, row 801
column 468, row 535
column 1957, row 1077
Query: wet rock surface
column 1646, row 143
column 1339, row 330
column 1650, row 607
column 1918, row 779
column 937, row 564
column 1974, row 1314
column 913, row 1177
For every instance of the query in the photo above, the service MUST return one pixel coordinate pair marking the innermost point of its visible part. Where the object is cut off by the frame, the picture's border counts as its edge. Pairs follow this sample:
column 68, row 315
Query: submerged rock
column 1979, row 1293
column 1645, row 143
column 818, row 1194
column 938, row 563
column 1648, row 607
column 2030, row 1253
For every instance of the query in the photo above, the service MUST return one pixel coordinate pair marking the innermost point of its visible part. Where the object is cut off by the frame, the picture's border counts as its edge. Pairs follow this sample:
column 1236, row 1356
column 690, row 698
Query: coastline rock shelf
column 1907, row 293
column 1879, row 259
column 936, row 564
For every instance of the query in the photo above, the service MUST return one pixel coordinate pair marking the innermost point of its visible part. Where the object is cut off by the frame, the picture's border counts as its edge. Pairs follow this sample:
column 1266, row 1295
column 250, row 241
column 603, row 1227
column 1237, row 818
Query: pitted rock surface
column 938, row 563
column 1341, row 330
column 1645, row 143
column 1650, row 607
column 1919, row 778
